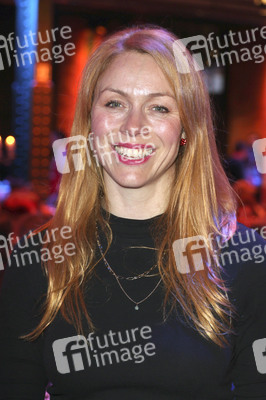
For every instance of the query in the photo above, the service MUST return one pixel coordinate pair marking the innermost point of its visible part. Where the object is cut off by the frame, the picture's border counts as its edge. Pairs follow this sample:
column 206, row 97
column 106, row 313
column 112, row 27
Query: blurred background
column 43, row 48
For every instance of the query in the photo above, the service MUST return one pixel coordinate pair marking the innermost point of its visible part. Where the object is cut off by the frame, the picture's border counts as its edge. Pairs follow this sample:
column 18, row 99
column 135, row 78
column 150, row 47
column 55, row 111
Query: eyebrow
column 156, row 94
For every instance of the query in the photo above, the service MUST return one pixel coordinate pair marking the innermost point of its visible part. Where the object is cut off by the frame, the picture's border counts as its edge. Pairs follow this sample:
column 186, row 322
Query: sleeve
column 249, row 351
column 22, row 373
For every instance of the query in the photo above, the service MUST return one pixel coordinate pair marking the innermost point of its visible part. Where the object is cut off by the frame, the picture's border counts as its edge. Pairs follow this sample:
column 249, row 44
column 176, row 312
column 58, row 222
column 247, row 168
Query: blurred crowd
column 248, row 183
column 21, row 211
column 21, row 208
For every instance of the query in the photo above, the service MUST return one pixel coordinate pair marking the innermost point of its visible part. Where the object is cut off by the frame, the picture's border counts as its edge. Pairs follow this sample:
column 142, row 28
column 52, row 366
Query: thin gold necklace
column 145, row 274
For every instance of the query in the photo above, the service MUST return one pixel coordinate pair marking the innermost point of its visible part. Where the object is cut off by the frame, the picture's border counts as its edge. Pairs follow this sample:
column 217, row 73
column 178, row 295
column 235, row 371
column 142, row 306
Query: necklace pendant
column 136, row 307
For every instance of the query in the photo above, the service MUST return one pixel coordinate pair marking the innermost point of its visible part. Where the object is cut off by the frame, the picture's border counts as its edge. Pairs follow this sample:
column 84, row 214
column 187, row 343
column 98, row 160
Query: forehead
column 136, row 71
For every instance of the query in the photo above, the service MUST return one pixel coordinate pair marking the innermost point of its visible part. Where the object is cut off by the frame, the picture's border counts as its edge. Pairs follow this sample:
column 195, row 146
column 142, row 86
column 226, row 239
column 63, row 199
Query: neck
column 136, row 203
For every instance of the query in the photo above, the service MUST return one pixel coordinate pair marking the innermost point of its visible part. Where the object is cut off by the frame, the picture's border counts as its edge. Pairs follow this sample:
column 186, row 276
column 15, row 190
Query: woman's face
column 135, row 122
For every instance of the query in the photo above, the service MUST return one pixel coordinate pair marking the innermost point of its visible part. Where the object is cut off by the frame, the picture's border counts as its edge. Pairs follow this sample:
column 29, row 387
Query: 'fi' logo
column 259, row 150
column 70, row 147
column 4, row 45
column 71, row 354
column 197, row 43
column 191, row 254
column 259, row 350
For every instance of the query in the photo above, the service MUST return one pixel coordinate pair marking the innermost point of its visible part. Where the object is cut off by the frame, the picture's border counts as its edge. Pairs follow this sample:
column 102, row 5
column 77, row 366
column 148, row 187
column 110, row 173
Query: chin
column 134, row 183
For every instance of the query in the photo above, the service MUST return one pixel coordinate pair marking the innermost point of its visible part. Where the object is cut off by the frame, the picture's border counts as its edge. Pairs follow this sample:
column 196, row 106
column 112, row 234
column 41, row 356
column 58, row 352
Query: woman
column 146, row 303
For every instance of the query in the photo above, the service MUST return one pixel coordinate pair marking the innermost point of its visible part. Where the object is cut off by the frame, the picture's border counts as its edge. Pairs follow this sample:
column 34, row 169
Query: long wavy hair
column 201, row 200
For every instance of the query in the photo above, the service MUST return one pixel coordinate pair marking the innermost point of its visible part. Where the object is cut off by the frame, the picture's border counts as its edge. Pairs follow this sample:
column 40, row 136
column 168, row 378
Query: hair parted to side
column 201, row 200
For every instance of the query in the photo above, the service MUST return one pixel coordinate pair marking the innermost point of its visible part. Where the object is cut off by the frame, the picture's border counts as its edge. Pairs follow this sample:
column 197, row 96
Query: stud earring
column 183, row 142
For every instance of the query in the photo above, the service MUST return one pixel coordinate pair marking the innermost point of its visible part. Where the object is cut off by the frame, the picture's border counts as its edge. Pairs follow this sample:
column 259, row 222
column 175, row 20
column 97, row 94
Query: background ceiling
column 235, row 11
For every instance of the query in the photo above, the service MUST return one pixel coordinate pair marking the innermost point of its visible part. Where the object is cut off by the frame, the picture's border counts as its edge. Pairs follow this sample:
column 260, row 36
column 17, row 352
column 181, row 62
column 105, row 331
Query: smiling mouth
column 133, row 153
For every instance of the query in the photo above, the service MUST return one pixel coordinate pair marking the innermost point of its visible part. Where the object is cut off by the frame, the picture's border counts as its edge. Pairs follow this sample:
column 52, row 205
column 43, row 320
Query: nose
column 133, row 122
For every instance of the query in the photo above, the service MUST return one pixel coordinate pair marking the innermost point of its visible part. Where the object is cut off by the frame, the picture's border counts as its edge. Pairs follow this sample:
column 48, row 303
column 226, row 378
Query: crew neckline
column 129, row 226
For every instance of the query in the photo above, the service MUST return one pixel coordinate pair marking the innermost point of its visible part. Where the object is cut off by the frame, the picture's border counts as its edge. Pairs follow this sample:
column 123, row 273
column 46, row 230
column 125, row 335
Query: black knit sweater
column 134, row 354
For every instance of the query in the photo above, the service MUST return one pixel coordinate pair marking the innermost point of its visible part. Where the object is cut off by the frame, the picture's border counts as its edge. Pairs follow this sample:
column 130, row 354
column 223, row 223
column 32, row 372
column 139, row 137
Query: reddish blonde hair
column 201, row 200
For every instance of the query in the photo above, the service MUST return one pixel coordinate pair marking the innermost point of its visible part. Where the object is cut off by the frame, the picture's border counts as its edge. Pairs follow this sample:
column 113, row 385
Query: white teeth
column 133, row 153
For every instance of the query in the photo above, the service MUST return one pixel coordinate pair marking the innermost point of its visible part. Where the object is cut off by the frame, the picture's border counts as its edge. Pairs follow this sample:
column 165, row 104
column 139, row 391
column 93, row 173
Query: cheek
column 98, row 123
column 169, row 132
column 102, row 123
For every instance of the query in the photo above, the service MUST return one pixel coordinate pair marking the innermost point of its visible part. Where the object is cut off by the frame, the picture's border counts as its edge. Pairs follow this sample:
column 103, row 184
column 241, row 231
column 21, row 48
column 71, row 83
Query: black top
column 133, row 355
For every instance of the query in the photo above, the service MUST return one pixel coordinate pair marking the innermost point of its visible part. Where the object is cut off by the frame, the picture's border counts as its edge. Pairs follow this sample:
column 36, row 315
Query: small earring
column 183, row 142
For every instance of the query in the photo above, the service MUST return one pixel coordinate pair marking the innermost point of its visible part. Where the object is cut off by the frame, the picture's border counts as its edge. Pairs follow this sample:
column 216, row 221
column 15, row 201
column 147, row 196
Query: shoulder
column 243, row 261
column 23, row 288
column 23, row 271
column 245, row 250
column 26, row 262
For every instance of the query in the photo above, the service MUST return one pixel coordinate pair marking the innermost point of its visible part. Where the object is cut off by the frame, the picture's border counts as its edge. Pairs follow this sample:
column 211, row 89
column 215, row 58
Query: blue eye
column 161, row 109
column 113, row 104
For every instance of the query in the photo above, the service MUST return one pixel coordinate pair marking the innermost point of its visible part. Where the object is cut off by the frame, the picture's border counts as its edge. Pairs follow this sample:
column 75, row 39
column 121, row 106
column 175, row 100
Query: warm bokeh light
column 45, row 162
column 37, row 98
column 46, row 100
column 36, row 120
column 36, row 130
column 36, row 152
column 36, row 141
column 36, row 109
column 35, row 172
column 45, row 152
column 260, row 2
column 35, row 162
column 46, row 110
column 69, row 76
column 45, row 141
column 43, row 73
column 46, row 120
column 44, row 173
column 45, row 130
column 10, row 140
column 101, row 30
